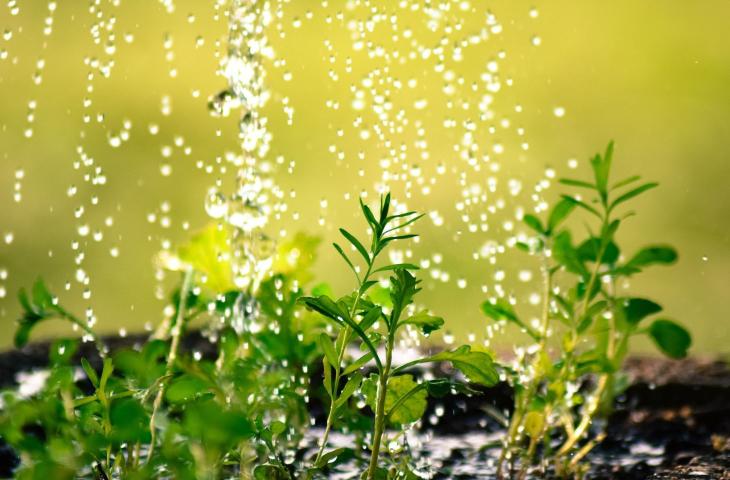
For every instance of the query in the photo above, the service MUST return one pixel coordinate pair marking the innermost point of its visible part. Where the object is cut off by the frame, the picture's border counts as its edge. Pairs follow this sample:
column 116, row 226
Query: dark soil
column 672, row 423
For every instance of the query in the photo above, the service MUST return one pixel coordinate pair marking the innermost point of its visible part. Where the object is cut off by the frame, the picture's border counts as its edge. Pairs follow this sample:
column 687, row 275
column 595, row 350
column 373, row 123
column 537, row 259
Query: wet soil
column 673, row 422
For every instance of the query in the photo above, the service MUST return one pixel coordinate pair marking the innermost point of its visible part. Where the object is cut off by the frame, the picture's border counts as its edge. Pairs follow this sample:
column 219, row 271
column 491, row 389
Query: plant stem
column 380, row 406
column 592, row 407
column 176, row 333
column 340, row 357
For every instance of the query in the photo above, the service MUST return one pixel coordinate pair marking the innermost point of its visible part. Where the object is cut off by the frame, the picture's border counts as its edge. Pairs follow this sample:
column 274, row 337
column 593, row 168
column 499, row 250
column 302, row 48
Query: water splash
column 248, row 208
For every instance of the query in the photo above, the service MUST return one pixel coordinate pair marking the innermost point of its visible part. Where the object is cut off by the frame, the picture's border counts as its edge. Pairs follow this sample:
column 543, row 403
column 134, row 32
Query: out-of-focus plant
column 563, row 391
column 163, row 411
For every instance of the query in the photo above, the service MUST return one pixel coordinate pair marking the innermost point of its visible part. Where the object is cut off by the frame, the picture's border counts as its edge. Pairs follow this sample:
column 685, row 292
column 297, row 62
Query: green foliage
column 590, row 319
column 239, row 410
column 374, row 321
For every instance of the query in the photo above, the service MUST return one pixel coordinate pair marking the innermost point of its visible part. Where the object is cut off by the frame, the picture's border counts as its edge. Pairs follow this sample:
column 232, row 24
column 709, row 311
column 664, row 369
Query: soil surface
column 673, row 422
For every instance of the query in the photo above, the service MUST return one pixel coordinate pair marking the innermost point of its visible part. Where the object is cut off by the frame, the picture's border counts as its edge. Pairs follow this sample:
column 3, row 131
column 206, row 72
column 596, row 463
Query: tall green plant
column 394, row 396
column 592, row 320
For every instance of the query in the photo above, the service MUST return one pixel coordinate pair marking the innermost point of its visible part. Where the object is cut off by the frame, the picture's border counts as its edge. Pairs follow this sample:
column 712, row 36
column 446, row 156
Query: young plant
column 566, row 392
column 394, row 396
column 162, row 410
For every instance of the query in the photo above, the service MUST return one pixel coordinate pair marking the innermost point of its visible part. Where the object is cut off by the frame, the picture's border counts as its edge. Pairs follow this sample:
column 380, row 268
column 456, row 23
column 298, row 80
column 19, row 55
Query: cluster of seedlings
column 161, row 411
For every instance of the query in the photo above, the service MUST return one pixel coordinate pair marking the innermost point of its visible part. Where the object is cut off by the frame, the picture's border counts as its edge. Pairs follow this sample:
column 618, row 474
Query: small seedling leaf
column 424, row 321
column 90, row 372
column 559, row 213
column 356, row 243
column 637, row 309
column 534, row 223
column 671, row 338
column 328, row 347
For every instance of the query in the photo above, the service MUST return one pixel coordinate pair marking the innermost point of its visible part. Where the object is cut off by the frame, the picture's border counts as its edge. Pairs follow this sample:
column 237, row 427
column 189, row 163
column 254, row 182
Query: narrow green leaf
column 106, row 373
column 406, row 223
column 582, row 204
column 631, row 194
column 671, row 338
column 356, row 243
column 327, row 370
column 370, row 217
column 396, row 266
column 353, row 383
column 625, row 182
column 503, row 310
column 577, row 183
column 90, row 372
column 534, row 223
column 346, row 258
column 559, row 213
column 328, row 348
column 477, row 366
column 358, row 364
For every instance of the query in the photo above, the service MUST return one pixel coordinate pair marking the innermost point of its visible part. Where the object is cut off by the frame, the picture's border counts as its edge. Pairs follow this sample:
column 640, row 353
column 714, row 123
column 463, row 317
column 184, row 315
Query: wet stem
column 513, row 432
column 340, row 357
column 380, row 406
column 176, row 333
column 603, row 381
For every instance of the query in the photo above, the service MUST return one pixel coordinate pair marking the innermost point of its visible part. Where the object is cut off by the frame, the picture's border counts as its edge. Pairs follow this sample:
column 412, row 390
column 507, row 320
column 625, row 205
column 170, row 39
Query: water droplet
column 216, row 205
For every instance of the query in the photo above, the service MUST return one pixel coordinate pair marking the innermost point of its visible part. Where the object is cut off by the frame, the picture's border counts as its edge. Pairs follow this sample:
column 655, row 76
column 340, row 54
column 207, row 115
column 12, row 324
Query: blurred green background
column 651, row 75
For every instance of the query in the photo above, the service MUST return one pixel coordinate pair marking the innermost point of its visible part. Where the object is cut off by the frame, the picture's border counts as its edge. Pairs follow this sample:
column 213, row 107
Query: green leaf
column 353, row 383
column 208, row 252
column 106, row 373
column 658, row 254
column 477, row 366
column 369, row 215
column 325, row 306
column 405, row 223
column 534, row 424
column 601, row 169
column 90, row 372
column 384, row 208
column 534, row 223
column 129, row 420
column 409, row 410
column 269, row 471
column 590, row 249
column 587, row 319
column 337, row 455
column 403, row 288
column 566, row 255
column 327, row 370
column 577, row 183
column 559, row 213
column 347, row 260
column 423, row 320
column 637, row 309
column 185, row 388
column 397, row 266
column 62, row 351
column 671, row 338
column 42, row 298
column 503, row 310
column 631, row 194
column 356, row 243
column 358, row 364
column 328, row 347
column 582, row 204
column 625, row 182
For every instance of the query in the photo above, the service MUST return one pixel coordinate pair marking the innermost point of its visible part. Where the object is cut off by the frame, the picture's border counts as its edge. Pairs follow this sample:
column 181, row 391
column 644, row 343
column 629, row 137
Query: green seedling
column 394, row 396
column 592, row 321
